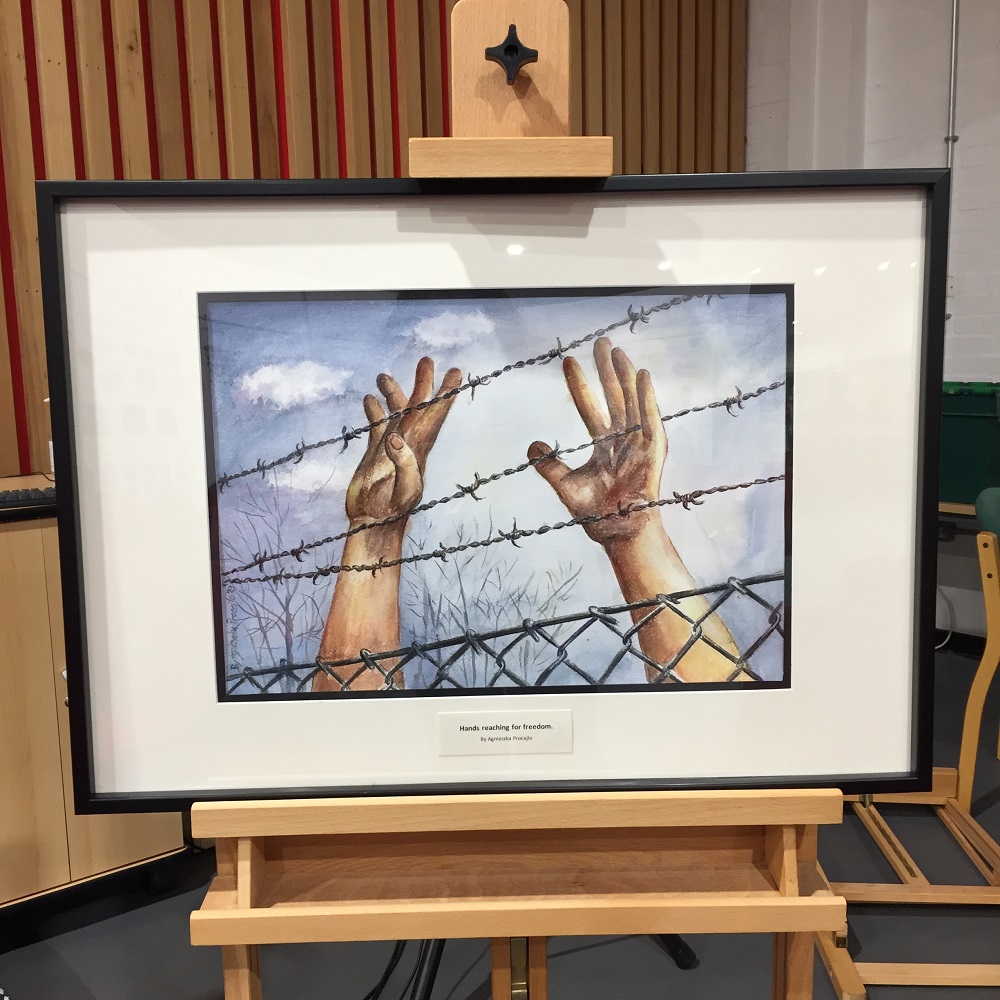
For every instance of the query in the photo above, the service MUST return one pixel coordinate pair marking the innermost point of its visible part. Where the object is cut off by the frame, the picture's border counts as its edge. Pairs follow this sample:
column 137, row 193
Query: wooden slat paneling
column 21, row 261
column 169, row 110
column 632, row 81
column 267, row 101
column 737, row 85
column 92, row 80
column 669, row 85
column 651, row 74
column 201, row 88
column 9, row 460
column 130, row 76
column 703, row 87
column 325, row 87
column 180, row 88
column 236, row 88
column 410, row 99
column 298, row 106
column 687, row 49
column 380, row 100
column 355, row 73
column 53, row 90
column 613, row 79
column 720, row 86
column 433, row 107
column 593, row 67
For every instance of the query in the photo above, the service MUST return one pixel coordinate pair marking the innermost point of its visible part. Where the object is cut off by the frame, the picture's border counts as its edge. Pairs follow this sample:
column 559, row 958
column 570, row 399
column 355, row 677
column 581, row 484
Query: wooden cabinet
column 43, row 843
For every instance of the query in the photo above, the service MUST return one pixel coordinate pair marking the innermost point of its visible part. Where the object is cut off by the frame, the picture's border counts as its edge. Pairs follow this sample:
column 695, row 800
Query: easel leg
column 538, row 968
column 793, row 967
column 532, row 979
column 241, row 972
column 500, row 961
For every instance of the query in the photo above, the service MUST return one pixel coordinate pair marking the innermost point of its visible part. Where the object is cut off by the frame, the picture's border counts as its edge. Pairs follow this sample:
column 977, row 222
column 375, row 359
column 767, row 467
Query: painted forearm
column 648, row 564
column 364, row 613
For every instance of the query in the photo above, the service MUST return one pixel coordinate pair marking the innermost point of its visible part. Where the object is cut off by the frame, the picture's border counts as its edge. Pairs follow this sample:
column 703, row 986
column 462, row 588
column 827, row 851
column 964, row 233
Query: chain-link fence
column 599, row 647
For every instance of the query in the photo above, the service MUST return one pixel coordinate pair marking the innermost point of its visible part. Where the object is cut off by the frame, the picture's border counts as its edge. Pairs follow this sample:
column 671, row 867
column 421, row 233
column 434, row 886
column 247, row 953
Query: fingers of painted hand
column 625, row 371
column 375, row 415
column 583, row 397
column 408, row 484
column 649, row 411
column 423, row 432
column 609, row 382
column 552, row 470
column 394, row 397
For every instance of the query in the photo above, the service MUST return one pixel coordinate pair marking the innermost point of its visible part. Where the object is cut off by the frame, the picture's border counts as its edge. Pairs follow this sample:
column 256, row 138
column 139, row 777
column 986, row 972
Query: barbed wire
column 472, row 382
column 500, row 647
column 686, row 500
column 259, row 559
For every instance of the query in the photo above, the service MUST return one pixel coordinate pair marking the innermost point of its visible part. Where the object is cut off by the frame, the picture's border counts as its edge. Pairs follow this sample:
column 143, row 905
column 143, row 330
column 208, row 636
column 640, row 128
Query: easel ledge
column 510, row 866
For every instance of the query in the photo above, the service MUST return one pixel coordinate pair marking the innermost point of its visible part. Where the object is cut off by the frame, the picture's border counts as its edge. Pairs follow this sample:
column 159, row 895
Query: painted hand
column 622, row 470
column 389, row 479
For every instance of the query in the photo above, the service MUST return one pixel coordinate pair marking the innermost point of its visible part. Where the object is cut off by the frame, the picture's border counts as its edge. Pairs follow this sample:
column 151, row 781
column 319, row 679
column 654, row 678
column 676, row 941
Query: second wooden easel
column 950, row 799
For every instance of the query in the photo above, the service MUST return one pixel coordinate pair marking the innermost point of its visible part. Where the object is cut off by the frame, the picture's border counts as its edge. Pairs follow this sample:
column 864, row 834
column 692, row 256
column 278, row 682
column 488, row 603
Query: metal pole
column 950, row 139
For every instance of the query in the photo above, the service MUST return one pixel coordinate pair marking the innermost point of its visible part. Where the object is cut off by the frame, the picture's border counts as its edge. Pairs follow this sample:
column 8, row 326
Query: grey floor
column 89, row 950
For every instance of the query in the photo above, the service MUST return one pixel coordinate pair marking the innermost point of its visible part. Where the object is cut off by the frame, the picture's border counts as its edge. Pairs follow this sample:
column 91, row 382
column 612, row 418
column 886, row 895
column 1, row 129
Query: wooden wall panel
column 8, row 408
column 325, row 90
column 249, row 88
column 233, row 54
column 651, row 74
column 296, row 46
column 168, row 97
column 130, row 76
column 23, row 156
column 264, row 89
column 53, row 90
column 201, row 88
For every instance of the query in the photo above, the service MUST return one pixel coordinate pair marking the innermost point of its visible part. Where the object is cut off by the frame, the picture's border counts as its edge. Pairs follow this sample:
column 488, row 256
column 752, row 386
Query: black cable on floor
column 397, row 953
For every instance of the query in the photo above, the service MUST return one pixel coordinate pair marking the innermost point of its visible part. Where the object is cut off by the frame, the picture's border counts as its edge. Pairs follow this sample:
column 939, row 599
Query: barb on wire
column 471, row 383
column 470, row 489
column 500, row 651
column 686, row 500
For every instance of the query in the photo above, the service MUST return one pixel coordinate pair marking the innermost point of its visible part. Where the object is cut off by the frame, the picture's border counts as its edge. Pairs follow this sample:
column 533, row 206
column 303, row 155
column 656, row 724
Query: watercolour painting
column 499, row 491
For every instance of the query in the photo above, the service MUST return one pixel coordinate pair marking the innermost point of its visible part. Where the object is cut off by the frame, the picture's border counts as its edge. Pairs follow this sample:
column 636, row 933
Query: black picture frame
column 53, row 198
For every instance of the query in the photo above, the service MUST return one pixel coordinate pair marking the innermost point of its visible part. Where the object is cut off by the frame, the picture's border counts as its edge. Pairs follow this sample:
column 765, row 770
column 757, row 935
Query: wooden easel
column 522, row 867
column 951, row 799
column 516, row 866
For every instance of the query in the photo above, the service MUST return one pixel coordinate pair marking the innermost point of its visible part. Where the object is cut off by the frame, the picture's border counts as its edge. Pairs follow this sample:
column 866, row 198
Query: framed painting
column 395, row 486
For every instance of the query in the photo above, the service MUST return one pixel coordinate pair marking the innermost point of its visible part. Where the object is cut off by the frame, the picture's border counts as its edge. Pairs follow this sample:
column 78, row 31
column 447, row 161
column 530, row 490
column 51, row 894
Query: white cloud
column 283, row 386
column 309, row 475
column 451, row 329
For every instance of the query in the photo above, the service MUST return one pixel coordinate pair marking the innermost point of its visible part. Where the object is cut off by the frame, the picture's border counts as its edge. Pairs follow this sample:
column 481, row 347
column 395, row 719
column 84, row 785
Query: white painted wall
column 865, row 83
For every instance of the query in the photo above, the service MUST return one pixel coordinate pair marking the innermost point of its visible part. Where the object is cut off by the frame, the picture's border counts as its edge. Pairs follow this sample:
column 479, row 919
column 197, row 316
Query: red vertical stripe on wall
column 393, row 87
column 220, row 107
column 338, row 69
column 251, row 87
column 311, row 66
column 445, row 81
column 371, row 87
column 31, row 75
column 182, row 67
column 13, row 333
column 147, row 82
column 423, row 68
column 111, row 78
column 279, row 87
column 75, row 114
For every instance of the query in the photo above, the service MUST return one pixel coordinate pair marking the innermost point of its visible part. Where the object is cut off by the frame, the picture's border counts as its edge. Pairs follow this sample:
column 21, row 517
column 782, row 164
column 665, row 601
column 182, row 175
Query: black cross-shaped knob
column 511, row 53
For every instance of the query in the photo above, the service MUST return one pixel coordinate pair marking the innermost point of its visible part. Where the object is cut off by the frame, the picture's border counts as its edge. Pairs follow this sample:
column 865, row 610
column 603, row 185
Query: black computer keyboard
column 21, row 505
